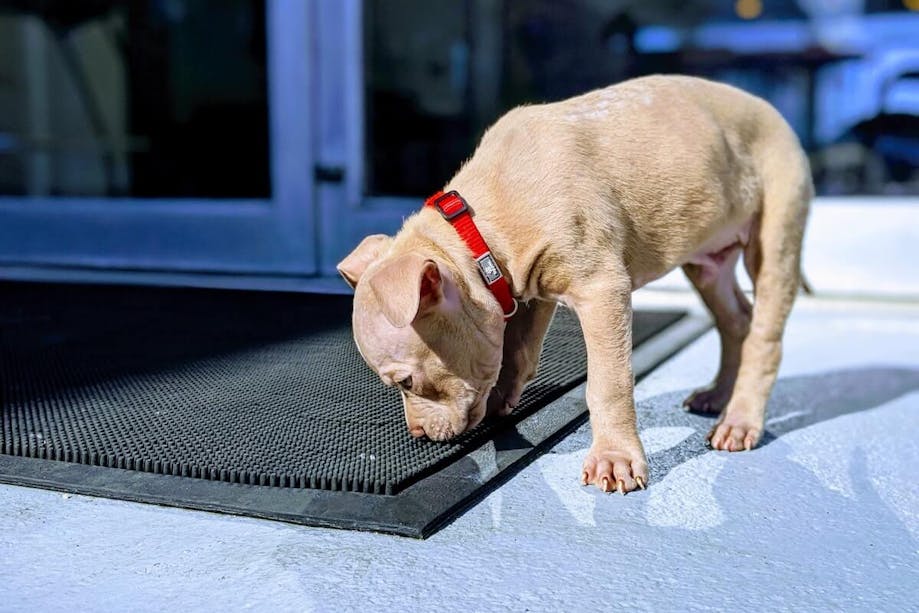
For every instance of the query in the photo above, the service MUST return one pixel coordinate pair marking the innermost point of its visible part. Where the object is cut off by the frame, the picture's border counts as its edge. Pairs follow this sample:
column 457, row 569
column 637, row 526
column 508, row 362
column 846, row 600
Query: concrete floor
column 823, row 516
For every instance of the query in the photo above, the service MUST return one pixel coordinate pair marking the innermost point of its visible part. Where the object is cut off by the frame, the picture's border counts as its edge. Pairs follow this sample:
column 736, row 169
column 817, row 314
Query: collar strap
column 455, row 210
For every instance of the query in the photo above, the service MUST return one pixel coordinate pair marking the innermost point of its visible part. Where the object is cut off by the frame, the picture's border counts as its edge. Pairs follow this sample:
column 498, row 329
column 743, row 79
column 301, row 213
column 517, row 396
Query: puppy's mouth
column 446, row 424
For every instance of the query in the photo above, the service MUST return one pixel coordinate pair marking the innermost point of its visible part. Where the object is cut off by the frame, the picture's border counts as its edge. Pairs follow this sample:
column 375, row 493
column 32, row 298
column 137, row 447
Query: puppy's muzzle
column 444, row 423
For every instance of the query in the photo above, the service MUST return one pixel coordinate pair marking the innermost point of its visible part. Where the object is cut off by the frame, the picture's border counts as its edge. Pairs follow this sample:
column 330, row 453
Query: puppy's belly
column 710, row 256
column 718, row 249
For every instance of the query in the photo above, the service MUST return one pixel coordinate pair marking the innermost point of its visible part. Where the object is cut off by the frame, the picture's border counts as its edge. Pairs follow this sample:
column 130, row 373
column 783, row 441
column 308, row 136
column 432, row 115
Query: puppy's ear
column 407, row 288
column 352, row 267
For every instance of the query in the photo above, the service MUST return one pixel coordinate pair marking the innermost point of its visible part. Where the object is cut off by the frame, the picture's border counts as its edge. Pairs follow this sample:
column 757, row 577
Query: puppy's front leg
column 616, row 459
column 523, row 339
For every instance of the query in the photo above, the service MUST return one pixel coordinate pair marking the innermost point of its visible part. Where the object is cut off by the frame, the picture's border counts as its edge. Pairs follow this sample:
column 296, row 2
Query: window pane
column 142, row 98
column 418, row 100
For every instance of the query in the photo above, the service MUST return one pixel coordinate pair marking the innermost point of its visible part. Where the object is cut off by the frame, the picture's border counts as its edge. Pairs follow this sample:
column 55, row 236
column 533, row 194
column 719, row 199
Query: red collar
column 455, row 210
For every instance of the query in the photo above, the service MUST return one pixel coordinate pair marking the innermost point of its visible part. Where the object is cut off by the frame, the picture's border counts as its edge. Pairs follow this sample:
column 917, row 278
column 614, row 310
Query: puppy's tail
column 806, row 287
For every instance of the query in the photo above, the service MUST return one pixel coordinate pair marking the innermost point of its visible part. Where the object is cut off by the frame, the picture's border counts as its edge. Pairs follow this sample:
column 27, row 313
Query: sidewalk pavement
column 824, row 515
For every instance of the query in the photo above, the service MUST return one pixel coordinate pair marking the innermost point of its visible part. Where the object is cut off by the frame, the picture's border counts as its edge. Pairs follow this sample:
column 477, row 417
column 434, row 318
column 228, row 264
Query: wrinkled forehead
column 378, row 341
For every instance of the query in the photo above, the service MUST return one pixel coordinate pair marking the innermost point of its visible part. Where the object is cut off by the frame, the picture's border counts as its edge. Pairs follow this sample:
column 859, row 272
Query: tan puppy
column 581, row 202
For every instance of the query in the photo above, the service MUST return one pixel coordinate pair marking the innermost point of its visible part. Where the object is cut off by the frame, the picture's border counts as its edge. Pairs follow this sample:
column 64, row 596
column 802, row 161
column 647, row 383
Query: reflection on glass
column 844, row 74
column 143, row 98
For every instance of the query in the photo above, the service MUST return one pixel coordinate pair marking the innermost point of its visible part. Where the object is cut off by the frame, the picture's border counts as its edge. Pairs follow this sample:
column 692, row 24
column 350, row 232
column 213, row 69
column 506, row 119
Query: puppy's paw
column 499, row 404
column 615, row 469
column 735, row 434
column 711, row 399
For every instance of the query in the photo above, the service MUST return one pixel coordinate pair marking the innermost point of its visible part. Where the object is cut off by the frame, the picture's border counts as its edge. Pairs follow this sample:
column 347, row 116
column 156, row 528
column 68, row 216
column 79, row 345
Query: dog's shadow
column 795, row 403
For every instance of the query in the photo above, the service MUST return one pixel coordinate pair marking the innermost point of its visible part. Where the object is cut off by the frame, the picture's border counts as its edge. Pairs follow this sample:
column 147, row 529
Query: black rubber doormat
column 250, row 403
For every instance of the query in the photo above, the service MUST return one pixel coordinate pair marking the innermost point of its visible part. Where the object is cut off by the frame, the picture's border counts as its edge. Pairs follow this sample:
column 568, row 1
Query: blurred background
column 261, row 139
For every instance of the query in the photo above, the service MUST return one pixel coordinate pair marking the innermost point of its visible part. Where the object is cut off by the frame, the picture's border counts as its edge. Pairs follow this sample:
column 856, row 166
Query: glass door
column 391, row 111
column 149, row 135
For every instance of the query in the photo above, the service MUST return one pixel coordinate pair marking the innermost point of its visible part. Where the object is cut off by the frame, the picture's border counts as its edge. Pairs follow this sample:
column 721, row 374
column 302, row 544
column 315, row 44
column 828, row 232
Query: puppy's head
column 416, row 328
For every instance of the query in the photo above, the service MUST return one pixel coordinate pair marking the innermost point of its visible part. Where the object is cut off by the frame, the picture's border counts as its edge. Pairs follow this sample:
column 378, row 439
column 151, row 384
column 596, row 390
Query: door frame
column 346, row 214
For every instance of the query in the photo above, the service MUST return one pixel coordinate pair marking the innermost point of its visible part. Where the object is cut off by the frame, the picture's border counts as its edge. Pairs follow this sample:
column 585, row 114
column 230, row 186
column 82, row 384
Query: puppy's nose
column 436, row 430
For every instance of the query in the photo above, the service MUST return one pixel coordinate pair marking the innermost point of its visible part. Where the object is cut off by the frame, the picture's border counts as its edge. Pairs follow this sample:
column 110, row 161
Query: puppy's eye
column 405, row 383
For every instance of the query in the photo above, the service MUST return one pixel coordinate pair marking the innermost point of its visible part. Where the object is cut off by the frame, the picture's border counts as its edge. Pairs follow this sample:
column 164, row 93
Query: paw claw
column 584, row 478
column 614, row 470
column 751, row 439
column 640, row 482
column 735, row 435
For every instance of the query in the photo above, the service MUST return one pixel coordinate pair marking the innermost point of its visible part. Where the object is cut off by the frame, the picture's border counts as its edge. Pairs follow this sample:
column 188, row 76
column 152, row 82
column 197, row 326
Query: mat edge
column 570, row 408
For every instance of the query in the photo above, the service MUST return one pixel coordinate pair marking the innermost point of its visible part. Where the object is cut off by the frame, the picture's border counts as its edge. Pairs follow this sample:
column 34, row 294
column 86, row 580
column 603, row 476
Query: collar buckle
column 450, row 205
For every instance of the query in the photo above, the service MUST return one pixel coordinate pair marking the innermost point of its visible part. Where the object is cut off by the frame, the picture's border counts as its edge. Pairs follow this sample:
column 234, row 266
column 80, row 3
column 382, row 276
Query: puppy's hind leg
column 716, row 284
column 773, row 259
